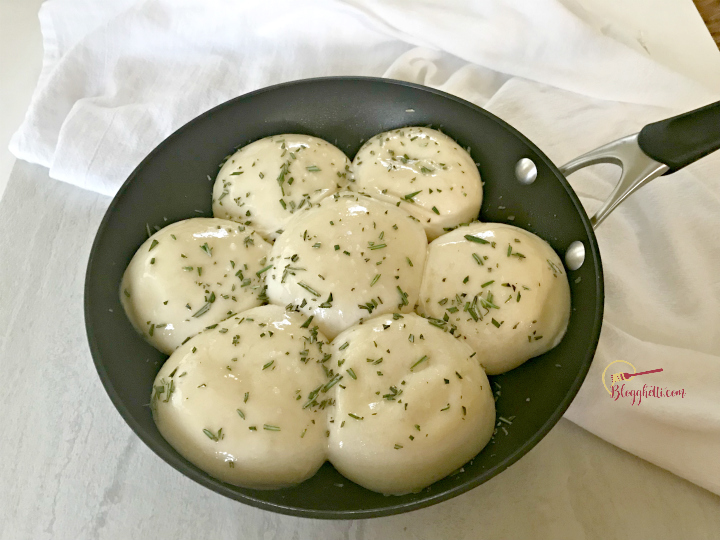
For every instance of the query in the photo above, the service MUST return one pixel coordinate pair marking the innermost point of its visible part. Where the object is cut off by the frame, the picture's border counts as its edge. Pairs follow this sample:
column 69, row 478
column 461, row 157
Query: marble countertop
column 72, row 468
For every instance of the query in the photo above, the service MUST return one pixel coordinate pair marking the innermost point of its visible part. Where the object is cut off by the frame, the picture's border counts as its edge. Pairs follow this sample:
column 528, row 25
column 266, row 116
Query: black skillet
column 172, row 183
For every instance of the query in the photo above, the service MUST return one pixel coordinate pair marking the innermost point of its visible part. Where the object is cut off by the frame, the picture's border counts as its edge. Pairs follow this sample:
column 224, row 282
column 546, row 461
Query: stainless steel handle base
column 637, row 170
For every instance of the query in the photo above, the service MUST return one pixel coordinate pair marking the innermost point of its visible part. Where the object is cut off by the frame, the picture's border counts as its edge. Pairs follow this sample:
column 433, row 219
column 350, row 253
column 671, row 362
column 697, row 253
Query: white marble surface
column 72, row 468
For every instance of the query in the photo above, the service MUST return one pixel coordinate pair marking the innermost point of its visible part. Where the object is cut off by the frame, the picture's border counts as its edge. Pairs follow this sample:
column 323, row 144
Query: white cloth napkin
column 119, row 77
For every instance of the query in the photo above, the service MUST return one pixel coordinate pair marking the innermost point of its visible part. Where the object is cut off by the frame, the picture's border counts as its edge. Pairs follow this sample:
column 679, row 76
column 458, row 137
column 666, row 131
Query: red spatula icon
column 625, row 376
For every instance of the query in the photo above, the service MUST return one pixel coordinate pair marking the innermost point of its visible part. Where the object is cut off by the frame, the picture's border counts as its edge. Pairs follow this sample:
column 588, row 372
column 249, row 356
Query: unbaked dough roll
column 244, row 401
column 413, row 404
column 190, row 275
column 502, row 289
column 425, row 172
column 264, row 183
column 348, row 259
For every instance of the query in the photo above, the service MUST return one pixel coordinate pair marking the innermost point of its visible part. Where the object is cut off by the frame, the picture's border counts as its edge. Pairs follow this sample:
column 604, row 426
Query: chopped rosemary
column 403, row 297
column 423, row 359
column 308, row 288
column 203, row 310
column 327, row 303
column 471, row 238
column 516, row 254
column 332, row 382
column 214, row 436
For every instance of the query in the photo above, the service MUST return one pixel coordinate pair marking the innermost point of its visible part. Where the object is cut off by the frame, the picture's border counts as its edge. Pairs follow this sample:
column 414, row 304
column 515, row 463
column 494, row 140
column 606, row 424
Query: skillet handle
column 660, row 148
column 683, row 139
column 637, row 170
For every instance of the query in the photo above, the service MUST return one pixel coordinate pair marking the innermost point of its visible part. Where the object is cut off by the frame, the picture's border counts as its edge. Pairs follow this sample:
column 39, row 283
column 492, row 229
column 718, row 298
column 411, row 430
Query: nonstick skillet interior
column 172, row 184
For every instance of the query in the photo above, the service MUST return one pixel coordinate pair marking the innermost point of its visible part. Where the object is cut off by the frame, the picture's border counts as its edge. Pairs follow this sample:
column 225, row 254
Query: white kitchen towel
column 118, row 78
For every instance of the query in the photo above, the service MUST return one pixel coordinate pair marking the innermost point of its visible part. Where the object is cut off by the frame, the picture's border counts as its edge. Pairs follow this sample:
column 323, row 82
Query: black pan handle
column 660, row 148
column 683, row 139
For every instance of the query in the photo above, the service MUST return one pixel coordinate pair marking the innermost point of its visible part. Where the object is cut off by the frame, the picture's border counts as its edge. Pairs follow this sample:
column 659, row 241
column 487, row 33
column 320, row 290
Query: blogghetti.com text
column 647, row 392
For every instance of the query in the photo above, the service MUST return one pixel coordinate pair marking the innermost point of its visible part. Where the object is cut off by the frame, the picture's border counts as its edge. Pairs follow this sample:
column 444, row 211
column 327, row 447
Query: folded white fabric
column 119, row 77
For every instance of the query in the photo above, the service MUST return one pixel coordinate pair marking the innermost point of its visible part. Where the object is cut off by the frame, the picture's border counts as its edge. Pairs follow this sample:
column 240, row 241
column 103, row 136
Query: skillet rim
column 181, row 465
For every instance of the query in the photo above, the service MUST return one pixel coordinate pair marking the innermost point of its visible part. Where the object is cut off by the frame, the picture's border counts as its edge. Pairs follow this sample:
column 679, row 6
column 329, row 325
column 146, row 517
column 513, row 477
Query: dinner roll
column 242, row 401
column 413, row 404
column 190, row 275
column 423, row 171
column 264, row 183
column 502, row 289
column 346, row 259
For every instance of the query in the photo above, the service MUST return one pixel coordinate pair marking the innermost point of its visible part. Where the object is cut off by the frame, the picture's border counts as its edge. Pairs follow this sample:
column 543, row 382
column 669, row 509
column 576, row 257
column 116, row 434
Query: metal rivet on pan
column 575, row 255
column 526, row 171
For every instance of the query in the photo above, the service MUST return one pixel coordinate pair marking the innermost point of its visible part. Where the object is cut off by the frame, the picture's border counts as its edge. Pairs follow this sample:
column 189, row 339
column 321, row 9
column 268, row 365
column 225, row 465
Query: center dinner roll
column 413, row 404
column 502, row 289
column 192, row 274
column 264, row 183
column 424, row 171
column 350, row 257
column 242, row 401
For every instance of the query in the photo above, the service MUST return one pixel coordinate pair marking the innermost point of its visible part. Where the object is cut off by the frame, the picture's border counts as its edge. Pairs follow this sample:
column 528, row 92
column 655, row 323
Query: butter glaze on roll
column 234, row 400
column 504, row 292
column 424, row 171
column 264, row 183
column 349, row 258
column 413, row 404
column 190, row 275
